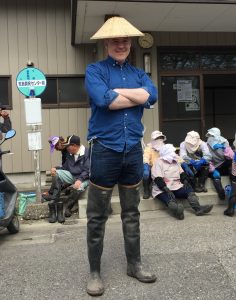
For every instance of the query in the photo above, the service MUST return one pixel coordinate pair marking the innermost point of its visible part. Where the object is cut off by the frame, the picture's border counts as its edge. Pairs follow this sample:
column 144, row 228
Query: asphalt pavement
column 193, row 259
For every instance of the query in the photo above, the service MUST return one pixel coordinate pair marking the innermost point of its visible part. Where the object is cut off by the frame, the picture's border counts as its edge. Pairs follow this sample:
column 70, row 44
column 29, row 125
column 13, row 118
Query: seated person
column 170, row 182
column 5, row 126
column 151, row 153
column 75, row 171
column 222, row 155
column 232, row 199
column 197, row 157
column 56, row 143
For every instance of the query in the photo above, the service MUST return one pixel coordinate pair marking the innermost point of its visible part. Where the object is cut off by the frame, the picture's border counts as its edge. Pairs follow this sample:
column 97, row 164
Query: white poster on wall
column 194, row 105
column 184, row 90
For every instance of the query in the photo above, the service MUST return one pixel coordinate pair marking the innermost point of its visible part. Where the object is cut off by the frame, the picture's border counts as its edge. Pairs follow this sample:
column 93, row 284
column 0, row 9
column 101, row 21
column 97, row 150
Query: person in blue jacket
column 74, row 171
column 118, row 93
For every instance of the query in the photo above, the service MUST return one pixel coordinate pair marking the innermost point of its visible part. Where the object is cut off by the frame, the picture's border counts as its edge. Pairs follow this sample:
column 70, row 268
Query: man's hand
column 53, row 171
column 77, row 184
column 219, row 146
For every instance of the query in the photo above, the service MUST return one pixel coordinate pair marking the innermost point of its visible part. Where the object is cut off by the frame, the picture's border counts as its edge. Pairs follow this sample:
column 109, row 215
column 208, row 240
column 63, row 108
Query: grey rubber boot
column 60, row 214
column 72, row 199
column 202, row 180
column 129, row 201
column 54, row 191
column 232, row 201
column 177, row 209
column 200, row 210
column 97, row 215
column 52, row 217
column 219, row 188
column 146, row 189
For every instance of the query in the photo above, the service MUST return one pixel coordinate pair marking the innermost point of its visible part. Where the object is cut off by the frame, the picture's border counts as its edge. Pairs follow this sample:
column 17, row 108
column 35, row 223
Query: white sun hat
column 116, row 27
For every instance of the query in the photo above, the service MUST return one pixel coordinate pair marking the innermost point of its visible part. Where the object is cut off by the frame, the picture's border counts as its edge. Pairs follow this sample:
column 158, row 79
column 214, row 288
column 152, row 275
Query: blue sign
column 31, row 82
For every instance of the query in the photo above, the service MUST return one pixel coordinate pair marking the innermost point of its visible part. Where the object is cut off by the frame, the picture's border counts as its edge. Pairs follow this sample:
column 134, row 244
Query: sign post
column 31, row 82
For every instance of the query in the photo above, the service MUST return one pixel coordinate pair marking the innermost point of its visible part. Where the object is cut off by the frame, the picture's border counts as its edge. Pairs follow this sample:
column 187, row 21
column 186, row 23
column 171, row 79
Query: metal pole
column 37, row 174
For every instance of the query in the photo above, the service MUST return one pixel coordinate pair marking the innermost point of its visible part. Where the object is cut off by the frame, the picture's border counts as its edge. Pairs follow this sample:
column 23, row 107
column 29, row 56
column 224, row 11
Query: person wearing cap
column 56, row 143
column 118, row 93
column 232, row 198
column 197, row 156
column 150, row 155
column 5, row 126
column 172, row 183
column 222, row 155
column 74, row 171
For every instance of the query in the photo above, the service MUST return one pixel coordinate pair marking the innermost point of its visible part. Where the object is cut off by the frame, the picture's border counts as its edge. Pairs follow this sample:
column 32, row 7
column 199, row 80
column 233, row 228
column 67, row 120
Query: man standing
column 118, row 94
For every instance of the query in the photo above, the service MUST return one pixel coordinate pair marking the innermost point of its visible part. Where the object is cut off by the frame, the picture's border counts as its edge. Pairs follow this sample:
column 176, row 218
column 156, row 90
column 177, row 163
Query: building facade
column 192, row 61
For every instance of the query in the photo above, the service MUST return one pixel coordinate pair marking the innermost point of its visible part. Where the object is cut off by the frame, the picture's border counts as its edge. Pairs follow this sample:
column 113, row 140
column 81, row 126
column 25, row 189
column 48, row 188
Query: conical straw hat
column 116, row 27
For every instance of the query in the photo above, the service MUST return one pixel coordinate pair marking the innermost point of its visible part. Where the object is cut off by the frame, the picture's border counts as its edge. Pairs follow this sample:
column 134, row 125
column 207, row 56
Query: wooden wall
column 40, row 30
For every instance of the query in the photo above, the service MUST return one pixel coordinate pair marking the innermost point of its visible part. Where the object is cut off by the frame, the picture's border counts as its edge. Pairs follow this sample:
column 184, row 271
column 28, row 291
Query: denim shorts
column 108, row 167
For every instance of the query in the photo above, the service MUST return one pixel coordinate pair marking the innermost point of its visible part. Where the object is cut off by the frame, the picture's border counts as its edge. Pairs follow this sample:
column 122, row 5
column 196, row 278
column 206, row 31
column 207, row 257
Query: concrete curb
column 36, row 211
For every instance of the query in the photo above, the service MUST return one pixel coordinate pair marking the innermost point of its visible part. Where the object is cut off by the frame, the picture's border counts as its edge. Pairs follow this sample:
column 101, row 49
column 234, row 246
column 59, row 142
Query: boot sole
column 94, row 294
column 150, row 280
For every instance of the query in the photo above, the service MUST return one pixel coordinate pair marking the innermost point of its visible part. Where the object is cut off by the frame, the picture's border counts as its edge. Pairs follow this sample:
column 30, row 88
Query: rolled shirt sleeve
column 97, row 87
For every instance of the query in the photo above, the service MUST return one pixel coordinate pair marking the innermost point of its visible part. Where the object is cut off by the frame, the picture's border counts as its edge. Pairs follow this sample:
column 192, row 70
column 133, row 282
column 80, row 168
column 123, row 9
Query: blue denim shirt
column 121, row 129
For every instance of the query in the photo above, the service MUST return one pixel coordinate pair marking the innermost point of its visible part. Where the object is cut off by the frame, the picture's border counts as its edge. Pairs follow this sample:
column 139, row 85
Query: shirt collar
column 114, row 63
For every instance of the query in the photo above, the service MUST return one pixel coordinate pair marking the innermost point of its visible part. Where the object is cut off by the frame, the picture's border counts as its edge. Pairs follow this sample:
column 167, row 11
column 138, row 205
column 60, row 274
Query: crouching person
column 75, row 171
column 232, row 199
column 171, row 183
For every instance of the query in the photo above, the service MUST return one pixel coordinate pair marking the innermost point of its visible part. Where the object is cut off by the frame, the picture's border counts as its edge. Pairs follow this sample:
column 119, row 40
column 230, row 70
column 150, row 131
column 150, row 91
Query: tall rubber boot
column 200, row 210
column 202, row 180
column 177, row 209
column 219, row 188
column 97, row 215
column 54, row 191
column 146, row 188
column 52, row 217
column 232, row 201
column 60, row 214
column 72, row 198
column 129, row 201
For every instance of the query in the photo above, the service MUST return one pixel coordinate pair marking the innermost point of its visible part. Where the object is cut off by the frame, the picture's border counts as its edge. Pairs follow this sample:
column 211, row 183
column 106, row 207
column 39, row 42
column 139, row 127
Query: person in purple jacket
column 74, row 171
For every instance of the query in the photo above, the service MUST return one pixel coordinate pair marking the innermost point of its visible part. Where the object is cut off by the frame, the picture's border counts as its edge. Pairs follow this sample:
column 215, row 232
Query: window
column 64, row 91
column 5, row 94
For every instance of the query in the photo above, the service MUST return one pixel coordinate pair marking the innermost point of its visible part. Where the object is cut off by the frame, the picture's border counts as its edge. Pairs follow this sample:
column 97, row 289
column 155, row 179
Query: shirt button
column 123, row 78
column 125, row 114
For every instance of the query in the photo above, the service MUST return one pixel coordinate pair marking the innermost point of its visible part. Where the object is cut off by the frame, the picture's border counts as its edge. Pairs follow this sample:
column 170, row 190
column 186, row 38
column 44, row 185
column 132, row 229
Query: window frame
column 82, row 104
column 9, row 88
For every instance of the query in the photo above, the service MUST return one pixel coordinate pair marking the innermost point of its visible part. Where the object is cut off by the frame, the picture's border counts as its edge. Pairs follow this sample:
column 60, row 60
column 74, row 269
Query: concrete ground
column 193, row 259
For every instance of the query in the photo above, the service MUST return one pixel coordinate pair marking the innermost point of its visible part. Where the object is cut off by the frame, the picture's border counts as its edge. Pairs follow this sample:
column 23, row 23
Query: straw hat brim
column 116, row 27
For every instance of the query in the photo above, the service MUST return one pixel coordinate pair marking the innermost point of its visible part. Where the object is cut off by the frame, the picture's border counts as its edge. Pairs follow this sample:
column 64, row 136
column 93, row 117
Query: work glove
column 216, row 174
column 199, row 163
column 192, row 162
column 187, row 169
column 170, row 195
column 218, row 146
column 146, row 170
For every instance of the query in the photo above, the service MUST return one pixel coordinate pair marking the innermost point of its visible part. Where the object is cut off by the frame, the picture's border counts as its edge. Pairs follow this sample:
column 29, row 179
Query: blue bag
column 24, row 200
column 2, row 206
